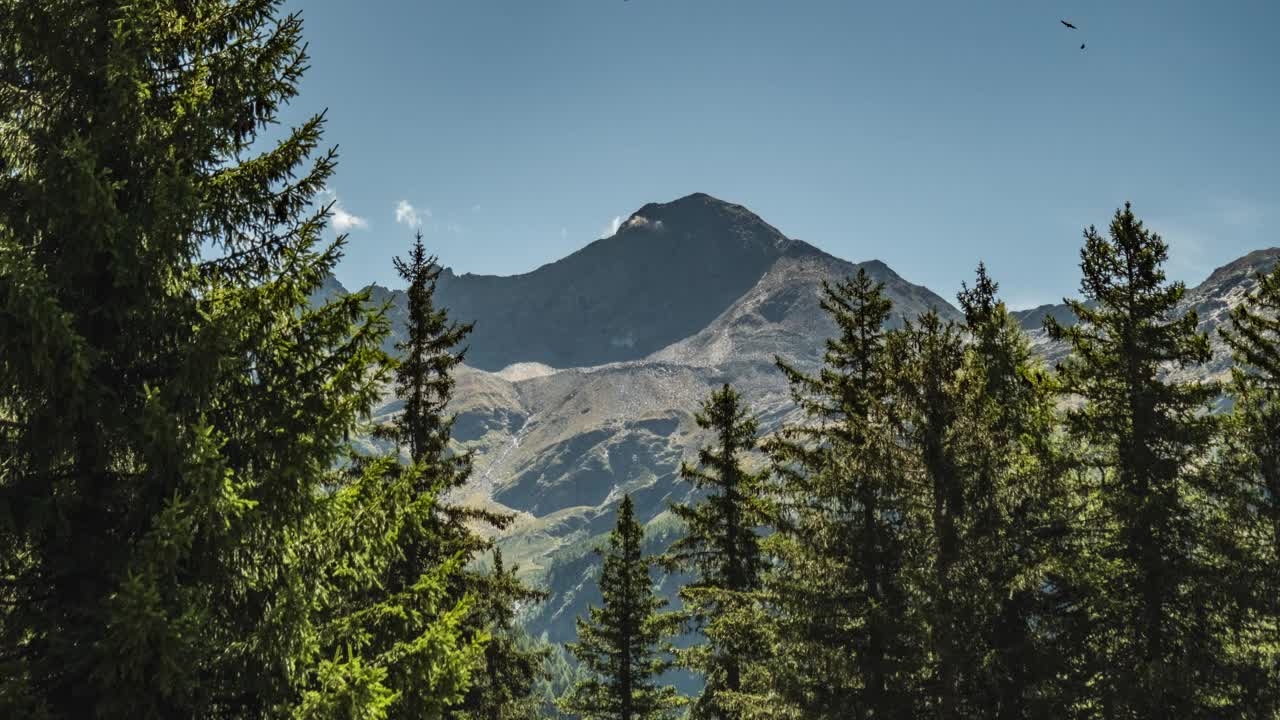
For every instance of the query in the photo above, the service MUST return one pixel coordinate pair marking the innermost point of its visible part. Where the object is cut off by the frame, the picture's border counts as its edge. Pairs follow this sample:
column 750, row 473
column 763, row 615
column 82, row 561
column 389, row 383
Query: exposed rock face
column 669, row 270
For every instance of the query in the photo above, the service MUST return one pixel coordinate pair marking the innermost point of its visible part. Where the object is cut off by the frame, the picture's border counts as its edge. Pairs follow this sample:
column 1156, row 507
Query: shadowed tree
column 429, row 355
column 1250, row 464
column 721, row 551
column 623, row 647
column 1157, row 613
column 178, row 540
column 848, row 637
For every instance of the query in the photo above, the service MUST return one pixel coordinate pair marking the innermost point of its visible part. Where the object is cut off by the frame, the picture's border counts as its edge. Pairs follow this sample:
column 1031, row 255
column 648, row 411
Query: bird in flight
column 1064, row 22
column 1081, row 46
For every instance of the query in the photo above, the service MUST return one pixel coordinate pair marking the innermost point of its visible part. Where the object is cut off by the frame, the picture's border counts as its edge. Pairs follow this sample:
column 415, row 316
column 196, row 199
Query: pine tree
column 429, row 355
column 1155, row 610
column 927, row 361
column 980, row 422
column 506, row 686
column 1250, row 464
column 623, row 648
column 848, row 633
column 722, row 552
column 1021, row 538
column 177, row 542
column 424, row 373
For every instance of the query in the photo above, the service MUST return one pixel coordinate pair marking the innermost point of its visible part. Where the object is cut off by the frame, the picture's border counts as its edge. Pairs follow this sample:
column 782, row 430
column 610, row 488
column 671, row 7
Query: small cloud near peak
column 407, row 214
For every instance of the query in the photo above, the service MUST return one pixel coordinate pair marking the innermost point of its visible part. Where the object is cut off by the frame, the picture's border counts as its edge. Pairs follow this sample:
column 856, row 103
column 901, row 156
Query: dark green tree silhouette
column 623, row 648
column 1250, row 464
column 1017, row 606
column 849, row 638
column 430, row 353
column 927, row 361
column 1157, row 615
column 721, row 551
column 506, row 686
column 978, row 425
column 177, row 540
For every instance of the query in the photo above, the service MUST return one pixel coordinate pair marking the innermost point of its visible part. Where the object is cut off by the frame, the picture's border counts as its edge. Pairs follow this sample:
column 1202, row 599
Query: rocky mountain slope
column 668, row 271
column 586, row 372
column 1212, row 301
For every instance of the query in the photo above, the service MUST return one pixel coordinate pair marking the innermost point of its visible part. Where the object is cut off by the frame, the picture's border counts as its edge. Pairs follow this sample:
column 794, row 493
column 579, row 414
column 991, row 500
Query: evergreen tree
column 1250, row 464
column 424, row 373
column 176, row 540
column 722, row 551
column 1019, row 539
column 623, row 648
column 848, row 633
column 927, row 363
column 1156, row 611
column 979, row 422
column 504, row 686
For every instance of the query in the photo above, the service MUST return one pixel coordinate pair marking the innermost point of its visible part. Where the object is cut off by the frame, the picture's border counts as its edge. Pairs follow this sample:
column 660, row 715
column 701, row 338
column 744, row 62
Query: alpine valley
column 582, row 377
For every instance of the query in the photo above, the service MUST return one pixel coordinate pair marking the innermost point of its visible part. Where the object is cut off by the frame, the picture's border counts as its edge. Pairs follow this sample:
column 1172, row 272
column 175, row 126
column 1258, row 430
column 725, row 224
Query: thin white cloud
column 612, row 228
column 407, row 214
column 343, row 220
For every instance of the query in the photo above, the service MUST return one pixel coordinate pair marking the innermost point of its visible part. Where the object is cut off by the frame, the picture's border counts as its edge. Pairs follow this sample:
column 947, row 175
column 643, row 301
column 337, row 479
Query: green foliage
column 424, row 373
column 503, row 686
column 186, row 533
column 176, row 540
column 721, row 548
column 1019, row 504
column 623, row 647
column 1158, row 616
column 978, row 420
column 1250, row 463
column 506, row 688
column 849, row 635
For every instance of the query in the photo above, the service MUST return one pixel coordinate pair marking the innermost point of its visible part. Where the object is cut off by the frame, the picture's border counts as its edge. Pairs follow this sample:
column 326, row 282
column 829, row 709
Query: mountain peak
column 1258, row 261
column 698, row 220
column 696, row 203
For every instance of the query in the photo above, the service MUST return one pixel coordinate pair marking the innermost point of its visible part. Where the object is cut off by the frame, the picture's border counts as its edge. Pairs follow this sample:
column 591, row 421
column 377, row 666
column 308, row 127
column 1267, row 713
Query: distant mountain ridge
column 666, row 274
column 1212, row 300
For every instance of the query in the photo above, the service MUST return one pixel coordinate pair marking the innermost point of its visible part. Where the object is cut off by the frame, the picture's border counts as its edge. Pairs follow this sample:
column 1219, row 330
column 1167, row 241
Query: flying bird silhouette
column 1064, row 22
column 1081, row 46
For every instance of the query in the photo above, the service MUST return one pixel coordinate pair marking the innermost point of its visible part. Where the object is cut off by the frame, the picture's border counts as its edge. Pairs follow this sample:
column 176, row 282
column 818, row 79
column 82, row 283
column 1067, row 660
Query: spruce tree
column 848, row 633
column 1021, row 538
column 1250, row 464
column 177, row 541
column 429, row 355
column 980, row 420
column 623, row 647
column 505, row 687
column 721, row 551
column 927, row 364
column 1156, row 610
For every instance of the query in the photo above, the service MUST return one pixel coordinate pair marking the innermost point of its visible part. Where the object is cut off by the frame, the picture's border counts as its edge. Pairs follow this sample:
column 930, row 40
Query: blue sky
column 928, row 135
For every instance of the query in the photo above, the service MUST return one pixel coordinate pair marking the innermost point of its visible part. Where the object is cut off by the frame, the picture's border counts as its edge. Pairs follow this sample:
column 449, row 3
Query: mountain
column 667, row 272
column 780, row 315
column 1212, row 300
column 583, row 376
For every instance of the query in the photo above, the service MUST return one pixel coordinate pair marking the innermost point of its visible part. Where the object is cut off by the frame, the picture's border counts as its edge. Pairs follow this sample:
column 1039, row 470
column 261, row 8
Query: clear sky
column 928, row 135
